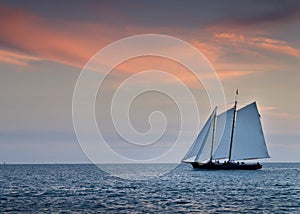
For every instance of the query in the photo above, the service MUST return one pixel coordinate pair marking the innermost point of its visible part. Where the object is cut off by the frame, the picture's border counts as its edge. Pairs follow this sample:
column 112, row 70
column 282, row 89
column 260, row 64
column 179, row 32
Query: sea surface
column 85, row 188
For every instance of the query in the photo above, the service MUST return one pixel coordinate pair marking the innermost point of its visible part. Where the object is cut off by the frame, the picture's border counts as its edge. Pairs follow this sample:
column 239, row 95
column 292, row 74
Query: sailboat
column 228, row 138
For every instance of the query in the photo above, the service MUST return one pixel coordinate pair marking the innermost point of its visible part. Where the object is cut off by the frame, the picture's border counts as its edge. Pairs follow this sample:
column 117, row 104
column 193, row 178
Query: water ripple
column 84, row 188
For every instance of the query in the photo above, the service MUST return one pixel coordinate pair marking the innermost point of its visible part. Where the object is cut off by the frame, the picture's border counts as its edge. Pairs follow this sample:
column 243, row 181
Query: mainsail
column 223, row 134
column 248, row 138
column 247, row 142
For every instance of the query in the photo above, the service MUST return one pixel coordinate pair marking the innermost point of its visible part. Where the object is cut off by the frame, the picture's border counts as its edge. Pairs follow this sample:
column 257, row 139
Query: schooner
column 232, row 136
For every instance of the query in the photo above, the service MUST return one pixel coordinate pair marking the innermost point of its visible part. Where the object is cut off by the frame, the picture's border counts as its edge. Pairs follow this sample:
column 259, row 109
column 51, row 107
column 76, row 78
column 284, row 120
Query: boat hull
column 226, row 166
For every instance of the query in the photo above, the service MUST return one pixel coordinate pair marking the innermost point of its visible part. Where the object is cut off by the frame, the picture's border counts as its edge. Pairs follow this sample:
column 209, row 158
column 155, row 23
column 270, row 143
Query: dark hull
column 226, row 166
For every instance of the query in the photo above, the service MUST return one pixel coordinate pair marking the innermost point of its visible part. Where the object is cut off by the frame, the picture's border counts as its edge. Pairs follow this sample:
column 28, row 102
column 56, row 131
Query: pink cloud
column 17, row 58
column 230, row 36
column 73, row 43
column 276, row 46
column 276, row 112
column 64, row 42
column 264, row 43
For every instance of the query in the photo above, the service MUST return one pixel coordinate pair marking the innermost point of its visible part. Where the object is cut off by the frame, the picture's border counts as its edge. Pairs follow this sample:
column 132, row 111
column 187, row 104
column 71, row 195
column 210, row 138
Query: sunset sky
column 253, row 45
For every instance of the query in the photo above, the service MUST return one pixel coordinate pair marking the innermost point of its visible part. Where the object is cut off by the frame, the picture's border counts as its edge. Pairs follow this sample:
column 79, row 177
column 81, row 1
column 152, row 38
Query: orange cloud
column 212, row 52
column 73, row 43
column 16, row 58
column 230, row 36
column 260, row 42
column 60, row 41
column 277, row 46
column 144, row 63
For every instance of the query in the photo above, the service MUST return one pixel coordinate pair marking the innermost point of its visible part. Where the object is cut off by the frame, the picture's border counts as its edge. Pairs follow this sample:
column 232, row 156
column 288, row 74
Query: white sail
column 248, row 138
column 223, row 134
column 204, row 152
column 196, row 150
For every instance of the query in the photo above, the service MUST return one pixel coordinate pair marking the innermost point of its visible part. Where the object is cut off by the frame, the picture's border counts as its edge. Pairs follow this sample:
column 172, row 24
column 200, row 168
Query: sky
column 253, row 45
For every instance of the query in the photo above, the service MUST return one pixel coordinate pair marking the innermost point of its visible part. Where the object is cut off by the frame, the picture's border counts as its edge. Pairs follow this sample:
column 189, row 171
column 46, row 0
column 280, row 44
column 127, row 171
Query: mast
column 213, row 134
column 232, row 130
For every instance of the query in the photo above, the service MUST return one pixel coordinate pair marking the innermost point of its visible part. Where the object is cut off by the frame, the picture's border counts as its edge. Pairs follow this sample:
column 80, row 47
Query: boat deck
column 226, row 166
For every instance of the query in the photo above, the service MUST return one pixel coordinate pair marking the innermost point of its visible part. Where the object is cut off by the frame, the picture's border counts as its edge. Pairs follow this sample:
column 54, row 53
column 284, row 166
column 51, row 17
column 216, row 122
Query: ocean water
column 85, row 188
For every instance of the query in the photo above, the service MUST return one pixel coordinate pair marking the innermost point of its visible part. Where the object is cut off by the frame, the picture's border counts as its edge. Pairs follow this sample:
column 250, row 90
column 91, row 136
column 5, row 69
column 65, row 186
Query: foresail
column 248, row 139
column 204, row 152
column 223, row 134
column 199, row 143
